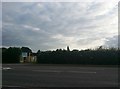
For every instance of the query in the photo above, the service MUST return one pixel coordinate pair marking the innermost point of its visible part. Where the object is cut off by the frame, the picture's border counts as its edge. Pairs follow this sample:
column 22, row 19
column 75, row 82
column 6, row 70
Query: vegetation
column 99, row 56
column 13, row 54
column 95, row 57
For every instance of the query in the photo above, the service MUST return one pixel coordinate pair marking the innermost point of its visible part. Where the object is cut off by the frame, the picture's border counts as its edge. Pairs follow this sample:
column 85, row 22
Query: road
column 36, row 75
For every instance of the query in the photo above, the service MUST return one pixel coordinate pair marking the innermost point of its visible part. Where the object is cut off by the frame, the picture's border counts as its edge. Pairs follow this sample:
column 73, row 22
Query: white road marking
column 83, row 72
column 11, row 86
column 87, row 72
column 46, row 71
column 6, row 68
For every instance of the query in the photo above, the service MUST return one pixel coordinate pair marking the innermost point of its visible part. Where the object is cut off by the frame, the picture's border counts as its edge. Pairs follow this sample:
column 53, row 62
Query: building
column 28, row 57
column 33, row 57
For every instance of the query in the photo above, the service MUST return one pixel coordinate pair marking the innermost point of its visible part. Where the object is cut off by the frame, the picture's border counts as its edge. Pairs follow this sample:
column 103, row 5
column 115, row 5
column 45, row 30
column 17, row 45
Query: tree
column 26, row 49
column 11, row 55
column 38, row 52
column 68, row 48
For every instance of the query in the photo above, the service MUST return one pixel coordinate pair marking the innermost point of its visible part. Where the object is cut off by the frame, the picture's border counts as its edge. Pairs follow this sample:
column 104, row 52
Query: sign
column 24, row 54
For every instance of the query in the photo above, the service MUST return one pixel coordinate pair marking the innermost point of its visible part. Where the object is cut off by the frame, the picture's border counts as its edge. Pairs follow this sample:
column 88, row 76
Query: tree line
column 99, row 56
column 13, row 54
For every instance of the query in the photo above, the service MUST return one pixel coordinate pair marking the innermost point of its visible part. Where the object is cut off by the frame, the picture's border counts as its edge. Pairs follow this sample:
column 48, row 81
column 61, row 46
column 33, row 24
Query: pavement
column 40, row 75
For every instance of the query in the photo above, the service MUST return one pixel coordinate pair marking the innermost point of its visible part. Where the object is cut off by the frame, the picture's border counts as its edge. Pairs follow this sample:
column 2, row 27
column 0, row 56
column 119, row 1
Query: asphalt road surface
column 37, row 75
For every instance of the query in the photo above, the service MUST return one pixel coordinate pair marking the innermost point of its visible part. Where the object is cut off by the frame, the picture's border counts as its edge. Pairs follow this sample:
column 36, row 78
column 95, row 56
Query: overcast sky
column 52, row 25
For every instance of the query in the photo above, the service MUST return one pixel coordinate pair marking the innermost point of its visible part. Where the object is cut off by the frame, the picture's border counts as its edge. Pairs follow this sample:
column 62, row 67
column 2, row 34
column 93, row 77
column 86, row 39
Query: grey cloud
column 113, row 41
column 47, row 25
